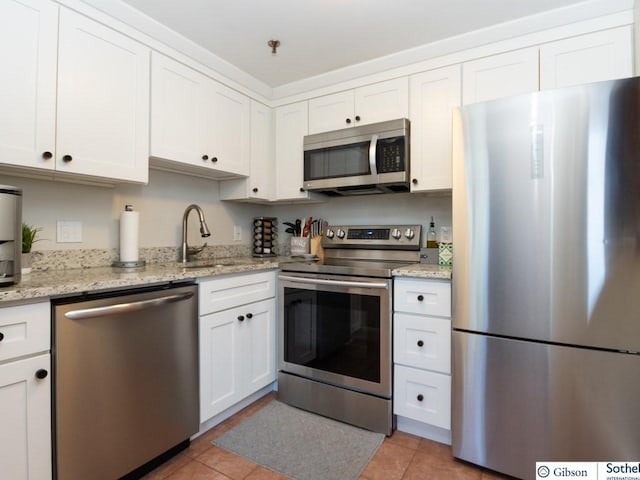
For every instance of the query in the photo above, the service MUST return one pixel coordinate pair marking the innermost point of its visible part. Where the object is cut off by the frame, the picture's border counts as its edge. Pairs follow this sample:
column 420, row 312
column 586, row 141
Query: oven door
column 337, row 330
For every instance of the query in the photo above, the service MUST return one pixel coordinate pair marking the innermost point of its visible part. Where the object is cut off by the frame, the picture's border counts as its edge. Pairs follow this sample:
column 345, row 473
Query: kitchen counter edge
column 424, row 270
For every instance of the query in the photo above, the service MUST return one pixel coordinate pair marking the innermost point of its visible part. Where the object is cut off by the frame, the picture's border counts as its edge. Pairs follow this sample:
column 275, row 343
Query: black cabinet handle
column 255, row 189
column 420, row 298
column 42, row 373
column 241, row 317
column 205, row 157
column 1, row 336
column 249, row 316
column 301, row 189
column 348, row 120
column 414, row 181
column 357, row 118
column 214, row 159
column 420, row 397
column 67, row 158
column 47, row 155
column 420, row 343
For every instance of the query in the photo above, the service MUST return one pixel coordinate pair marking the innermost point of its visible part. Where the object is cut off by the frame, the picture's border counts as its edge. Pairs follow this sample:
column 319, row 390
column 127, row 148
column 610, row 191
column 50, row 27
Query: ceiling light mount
column 274, row 44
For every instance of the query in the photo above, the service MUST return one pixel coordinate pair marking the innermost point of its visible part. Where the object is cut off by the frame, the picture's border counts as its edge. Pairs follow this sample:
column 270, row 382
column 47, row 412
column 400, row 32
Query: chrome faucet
column 188, row 251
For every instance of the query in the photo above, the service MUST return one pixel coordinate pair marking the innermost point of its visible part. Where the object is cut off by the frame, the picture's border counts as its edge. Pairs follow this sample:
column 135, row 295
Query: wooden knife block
column 315, row 247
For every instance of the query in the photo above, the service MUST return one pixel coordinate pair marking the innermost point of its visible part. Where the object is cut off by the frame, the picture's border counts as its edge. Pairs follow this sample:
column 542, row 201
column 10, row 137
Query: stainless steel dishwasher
column 125, row 380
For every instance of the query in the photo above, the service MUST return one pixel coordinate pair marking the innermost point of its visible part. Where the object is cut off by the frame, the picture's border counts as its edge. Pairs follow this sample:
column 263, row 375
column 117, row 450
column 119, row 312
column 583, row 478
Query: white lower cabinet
column 422, row 356
column 238, row 343
column 25, row 392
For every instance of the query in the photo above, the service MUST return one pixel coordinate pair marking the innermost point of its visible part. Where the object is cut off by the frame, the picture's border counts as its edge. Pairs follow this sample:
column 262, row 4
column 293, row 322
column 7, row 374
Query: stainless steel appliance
column 125, row 380
column 360, row 160
column 546, row 282
column 335, row 324
column 10, row 234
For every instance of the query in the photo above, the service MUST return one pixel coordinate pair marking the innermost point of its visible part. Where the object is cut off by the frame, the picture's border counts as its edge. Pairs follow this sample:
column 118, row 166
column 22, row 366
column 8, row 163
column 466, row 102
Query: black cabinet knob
column 420, row 343
column 301, row 189
column 414, row 181
column 249, row 316
column 205, row 157
column 214, row 159
column 255, row 189
column 42, row 373
column 1, row 336
column 420, row 298
column 47, row 155
column 67, row 158
column 357, row 118
column 241, row 318
column 348, row 120
column 420, row 397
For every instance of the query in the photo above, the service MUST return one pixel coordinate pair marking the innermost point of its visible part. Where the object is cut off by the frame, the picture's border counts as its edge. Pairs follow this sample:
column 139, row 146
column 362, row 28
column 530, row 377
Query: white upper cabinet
column 373, row 103
column 260, row 185
column 28, row 48
column 198, row 126
column 594, row 57
column 502, row 75
column 96, row 124
column 291, row 127
column 103, row 101
column 434, row 94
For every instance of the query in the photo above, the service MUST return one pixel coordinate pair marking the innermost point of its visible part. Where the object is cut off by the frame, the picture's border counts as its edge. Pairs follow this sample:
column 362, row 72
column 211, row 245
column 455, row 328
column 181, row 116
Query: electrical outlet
column 68, row 231
column 237, row 233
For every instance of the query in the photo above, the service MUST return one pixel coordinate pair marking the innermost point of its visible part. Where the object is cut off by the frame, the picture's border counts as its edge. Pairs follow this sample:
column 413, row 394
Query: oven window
column 333, row 162
column 334, row 332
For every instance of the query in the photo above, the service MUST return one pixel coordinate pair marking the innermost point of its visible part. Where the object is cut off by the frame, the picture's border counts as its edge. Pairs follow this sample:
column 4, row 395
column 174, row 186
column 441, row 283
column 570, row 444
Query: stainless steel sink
column 208, row 264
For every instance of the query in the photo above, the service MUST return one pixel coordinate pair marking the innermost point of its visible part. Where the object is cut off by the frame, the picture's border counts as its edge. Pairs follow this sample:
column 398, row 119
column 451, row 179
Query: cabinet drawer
column 231, row 291
column 422, row 342
column 424, row 297
column 422, row 396
column 25, row 329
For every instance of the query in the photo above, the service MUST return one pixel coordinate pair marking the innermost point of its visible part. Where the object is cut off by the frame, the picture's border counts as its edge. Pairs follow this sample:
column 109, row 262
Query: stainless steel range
column 335, row 324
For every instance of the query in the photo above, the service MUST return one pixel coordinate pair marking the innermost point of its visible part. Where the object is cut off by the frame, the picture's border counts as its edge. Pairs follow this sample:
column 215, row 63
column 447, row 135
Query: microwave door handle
column 372, row 155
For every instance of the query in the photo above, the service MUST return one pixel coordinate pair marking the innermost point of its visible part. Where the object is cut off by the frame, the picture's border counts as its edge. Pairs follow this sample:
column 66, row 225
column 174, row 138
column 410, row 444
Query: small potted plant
column 29, row 234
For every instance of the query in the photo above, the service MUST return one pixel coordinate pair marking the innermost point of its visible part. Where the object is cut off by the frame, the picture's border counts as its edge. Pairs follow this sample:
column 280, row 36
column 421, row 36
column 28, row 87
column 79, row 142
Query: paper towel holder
column 130, row 264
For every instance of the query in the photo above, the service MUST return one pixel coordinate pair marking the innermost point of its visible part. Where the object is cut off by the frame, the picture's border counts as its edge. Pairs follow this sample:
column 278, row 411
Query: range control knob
column 340, row 233
column 409, row 233
column 396, row 233
column 330, row 233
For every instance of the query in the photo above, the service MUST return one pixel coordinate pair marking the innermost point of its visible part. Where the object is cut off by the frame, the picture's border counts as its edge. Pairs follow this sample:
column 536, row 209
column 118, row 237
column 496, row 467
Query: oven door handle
column 336, row 283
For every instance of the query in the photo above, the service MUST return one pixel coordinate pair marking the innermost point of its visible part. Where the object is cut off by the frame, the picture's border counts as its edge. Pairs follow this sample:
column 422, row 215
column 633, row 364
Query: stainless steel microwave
column 360, row 160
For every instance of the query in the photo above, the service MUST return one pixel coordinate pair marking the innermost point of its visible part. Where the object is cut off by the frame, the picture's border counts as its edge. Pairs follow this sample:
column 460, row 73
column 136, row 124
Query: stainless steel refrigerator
column 546, row 280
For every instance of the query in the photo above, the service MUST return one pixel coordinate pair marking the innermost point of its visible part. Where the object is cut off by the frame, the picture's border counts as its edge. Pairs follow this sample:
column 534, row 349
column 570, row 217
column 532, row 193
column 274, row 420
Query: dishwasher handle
column 126, row 307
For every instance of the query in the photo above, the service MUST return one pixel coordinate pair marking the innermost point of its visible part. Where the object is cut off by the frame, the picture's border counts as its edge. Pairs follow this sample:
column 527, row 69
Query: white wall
column 162, row 202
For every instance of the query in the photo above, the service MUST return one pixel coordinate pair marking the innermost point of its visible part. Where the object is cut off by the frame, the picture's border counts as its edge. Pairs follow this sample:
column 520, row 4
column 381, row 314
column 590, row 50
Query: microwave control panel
column 391, row 155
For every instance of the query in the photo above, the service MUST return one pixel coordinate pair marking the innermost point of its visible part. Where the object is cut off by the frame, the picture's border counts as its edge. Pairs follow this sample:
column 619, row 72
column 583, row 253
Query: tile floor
column 400, row 457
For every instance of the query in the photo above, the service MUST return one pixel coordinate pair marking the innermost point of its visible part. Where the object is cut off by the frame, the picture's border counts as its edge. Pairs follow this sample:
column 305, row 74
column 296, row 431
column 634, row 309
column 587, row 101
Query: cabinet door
column 25, row 416
column 331, row 112
column 179, row 104
column 260, row 185
column 291, row 127
column 229, row 136
column 434, row 94
column 382, row 101
column 497, row 76
column 259, row 344
column 103, row 101
column 28, row 49
column 422, row 342
column 219, row 362
column 594, row 57
column 423, row 396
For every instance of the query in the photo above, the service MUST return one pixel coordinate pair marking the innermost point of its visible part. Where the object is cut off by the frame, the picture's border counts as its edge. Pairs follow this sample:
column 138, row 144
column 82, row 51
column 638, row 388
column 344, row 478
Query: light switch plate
column 237, row 232
column 69, row 231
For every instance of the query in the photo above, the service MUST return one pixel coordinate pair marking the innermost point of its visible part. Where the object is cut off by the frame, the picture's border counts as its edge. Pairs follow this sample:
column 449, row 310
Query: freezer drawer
column 517, row 402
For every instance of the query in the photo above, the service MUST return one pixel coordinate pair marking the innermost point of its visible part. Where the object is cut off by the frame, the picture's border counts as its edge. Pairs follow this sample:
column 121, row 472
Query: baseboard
column 423, row 430
column 232, row 410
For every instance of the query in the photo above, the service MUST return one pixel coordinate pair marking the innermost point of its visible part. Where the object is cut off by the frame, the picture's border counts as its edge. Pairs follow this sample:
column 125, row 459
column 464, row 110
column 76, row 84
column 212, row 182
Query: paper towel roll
column 129, row 235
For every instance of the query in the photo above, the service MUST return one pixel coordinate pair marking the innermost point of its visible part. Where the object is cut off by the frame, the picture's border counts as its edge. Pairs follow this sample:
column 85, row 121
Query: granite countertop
column 40, row 285
column 53, row 283
column 424, row 270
